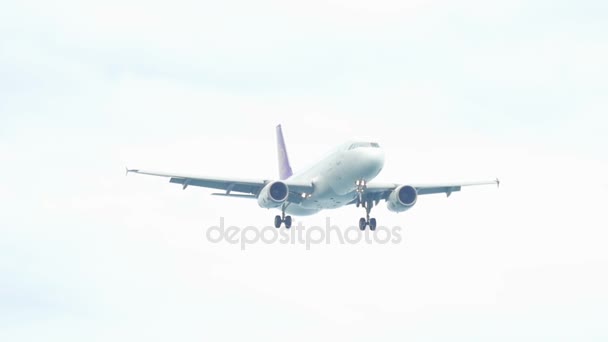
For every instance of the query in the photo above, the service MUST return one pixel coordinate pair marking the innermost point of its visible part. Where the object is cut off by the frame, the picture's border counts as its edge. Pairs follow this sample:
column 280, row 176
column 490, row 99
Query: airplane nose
column 375, row 160
column 379, row 158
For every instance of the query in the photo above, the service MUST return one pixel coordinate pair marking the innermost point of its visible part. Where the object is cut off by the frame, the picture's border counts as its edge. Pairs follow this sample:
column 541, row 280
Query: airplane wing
column 381, row 191
column 244, row 187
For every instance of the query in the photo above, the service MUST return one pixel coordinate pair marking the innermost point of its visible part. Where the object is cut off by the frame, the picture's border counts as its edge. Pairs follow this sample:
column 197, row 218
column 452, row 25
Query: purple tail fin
column 284, row 167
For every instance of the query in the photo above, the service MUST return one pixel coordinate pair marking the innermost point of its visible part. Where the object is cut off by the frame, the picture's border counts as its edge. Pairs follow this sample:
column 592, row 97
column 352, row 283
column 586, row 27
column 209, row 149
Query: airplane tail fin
column 284, row 167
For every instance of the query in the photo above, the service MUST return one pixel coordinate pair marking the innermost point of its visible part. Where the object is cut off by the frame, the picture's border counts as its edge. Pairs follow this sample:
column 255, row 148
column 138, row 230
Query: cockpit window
column 364, row 144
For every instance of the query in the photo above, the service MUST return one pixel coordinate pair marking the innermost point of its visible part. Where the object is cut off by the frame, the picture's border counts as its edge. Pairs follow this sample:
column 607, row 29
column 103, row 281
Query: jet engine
column 402, row 198
column 273, row 195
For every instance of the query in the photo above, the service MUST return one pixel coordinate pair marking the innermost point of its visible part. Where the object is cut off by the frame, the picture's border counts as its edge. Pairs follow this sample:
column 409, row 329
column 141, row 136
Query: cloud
column 463, row 91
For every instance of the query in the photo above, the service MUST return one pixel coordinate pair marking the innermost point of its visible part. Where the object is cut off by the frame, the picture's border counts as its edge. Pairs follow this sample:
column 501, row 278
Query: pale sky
column 452, row 91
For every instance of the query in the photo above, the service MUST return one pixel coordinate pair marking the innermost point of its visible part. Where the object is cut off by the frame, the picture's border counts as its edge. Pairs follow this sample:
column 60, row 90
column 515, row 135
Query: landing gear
column 361, row 185
column 279, row 219
column 366, row 221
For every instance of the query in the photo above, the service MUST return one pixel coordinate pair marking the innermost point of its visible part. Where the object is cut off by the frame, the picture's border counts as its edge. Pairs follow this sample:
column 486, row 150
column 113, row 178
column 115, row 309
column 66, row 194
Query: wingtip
column 127, row 171
column 497, row 183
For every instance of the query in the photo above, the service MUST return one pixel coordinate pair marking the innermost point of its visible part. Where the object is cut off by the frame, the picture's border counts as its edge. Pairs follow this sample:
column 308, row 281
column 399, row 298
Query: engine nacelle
column 273, row 195
column 402, row 198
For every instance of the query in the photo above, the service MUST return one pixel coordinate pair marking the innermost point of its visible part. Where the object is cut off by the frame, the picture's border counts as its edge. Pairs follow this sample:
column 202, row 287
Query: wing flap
column 438, row 190
column 233, row 195
column 246, row 187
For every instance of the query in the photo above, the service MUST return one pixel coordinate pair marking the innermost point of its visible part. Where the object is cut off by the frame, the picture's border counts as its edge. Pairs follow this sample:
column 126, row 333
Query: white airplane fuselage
column 335, row 176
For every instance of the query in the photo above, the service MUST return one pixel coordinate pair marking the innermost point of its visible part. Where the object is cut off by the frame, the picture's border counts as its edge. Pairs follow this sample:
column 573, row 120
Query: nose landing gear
column 361, row 185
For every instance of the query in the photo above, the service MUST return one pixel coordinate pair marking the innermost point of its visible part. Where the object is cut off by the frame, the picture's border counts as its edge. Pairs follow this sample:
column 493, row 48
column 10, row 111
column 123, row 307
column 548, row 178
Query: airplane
column 344, row 177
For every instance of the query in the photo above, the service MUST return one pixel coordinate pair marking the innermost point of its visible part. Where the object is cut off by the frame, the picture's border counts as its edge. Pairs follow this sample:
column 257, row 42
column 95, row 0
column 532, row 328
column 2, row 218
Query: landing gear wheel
column 287, row 222
column 362, row 223
column 372, row 224
column 280, row 219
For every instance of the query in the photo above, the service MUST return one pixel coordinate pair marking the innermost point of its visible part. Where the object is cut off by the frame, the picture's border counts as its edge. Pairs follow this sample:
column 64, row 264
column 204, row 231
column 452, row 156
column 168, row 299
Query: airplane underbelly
column 330, row 200
column 296, row 209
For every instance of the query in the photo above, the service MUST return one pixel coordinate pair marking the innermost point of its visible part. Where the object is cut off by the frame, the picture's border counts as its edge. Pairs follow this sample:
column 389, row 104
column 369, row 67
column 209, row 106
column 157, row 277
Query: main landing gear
column 279, row 219
column 366, row 221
